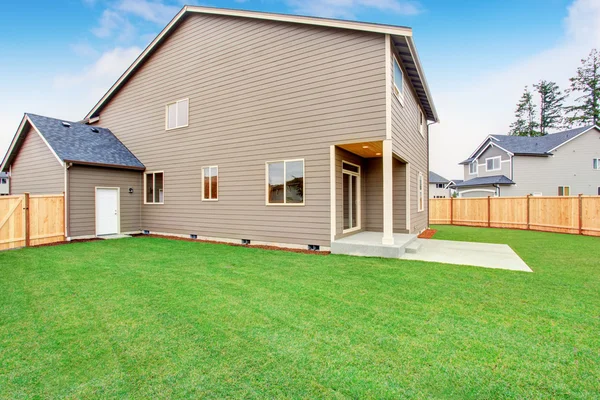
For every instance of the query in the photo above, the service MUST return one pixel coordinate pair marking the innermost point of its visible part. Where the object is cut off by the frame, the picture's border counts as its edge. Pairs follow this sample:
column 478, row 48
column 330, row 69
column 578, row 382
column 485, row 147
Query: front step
column 413, row 247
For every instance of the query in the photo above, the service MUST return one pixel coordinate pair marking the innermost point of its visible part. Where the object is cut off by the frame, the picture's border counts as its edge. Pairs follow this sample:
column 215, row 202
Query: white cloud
column 349, row 8
column 470, row 110
column 153, row 11
column 112, row 22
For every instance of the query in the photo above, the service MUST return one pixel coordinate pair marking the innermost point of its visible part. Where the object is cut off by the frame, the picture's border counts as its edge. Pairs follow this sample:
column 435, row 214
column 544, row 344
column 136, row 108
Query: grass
column 148, row 317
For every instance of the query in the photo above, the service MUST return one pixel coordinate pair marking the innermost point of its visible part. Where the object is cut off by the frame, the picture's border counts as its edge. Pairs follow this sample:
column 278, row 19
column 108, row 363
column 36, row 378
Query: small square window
column 177, row 114
column 564, row 191
column 285, row 182
column 492, row 164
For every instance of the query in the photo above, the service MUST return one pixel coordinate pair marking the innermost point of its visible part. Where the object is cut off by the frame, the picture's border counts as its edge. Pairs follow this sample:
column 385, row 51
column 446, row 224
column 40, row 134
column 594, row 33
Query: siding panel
column 259, row 91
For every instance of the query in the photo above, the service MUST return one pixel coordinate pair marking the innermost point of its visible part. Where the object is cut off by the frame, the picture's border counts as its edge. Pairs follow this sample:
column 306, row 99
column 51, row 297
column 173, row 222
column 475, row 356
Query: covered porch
column 370, row 202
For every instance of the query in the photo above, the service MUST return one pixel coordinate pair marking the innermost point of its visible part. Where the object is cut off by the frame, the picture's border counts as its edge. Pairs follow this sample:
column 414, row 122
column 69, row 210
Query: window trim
column 154, row 186
column 358, row 226
column 399, row 92
column 563, row 188
column 474, row 162
column 420, row 193
column 597, row 162
column 210, row 186
column 422, row 122
column 176, row 114
column 285, row 203
column 493, row 169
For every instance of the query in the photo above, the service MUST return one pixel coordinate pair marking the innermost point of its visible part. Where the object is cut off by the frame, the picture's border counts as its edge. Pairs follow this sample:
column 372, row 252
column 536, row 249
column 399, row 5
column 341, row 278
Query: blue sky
column 477, row 55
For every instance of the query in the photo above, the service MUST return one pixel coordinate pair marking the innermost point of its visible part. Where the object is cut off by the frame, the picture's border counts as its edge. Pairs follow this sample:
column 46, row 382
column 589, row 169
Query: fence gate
column 12, row 222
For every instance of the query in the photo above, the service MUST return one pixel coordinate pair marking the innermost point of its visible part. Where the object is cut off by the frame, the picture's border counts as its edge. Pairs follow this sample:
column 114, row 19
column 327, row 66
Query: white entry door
column 107, row 211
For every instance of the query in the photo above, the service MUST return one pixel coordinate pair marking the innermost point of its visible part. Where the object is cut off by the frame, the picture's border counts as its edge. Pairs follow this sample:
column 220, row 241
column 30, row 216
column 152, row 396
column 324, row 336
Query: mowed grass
column 156, row 318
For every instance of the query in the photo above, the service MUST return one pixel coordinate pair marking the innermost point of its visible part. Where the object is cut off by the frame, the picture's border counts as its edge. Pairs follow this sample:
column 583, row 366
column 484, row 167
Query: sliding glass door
column 351, row 196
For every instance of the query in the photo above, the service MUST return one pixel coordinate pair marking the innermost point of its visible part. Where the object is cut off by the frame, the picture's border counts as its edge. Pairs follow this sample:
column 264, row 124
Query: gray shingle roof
column 79, row 143
column 534, row 146
column 435, row 178
column 486, row 180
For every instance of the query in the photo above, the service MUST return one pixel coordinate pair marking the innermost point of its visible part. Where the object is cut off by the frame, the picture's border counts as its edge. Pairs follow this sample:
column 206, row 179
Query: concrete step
column 413, row 247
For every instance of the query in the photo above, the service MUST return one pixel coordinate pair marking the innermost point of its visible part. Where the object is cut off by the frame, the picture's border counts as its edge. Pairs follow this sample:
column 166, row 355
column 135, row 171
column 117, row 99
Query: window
column 3, row 181
column 177, row 114
column 492, row 164
column 285, row 182
column 596, row 163
column 210, row 183
column 564, row 190
column 439, row 185
column 473, row 167
column 154, row 188
column 420, row 200
column 598, row 190
column 439, row 197
column 422, row 123
column 397, row 78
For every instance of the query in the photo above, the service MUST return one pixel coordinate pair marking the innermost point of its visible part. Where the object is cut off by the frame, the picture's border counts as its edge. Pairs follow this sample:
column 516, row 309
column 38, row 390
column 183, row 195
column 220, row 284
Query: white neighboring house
column 4, row 184
column 439, row 187
column 560, row 164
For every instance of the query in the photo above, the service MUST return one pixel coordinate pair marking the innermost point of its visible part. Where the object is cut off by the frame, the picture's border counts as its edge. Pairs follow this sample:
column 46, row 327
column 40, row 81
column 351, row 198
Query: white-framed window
column 177, row 114
column 3, row 181
column 493, row 164
column 564, row 190
column 422, row 123
column 596, row 163
column 439, row 197
column 397, row 79
column 210, row 183
column 421, row 193
column 439, row 185
column 285, row 182
column 473, row 167
column 154, row 187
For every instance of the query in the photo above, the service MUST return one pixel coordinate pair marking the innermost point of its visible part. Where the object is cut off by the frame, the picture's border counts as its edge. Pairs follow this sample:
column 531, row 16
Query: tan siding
column 412, row 147
column 36, row 170
column 83, row 181
column 374, row 194
column 399, row 200
column 340, row 156
column 259, row 91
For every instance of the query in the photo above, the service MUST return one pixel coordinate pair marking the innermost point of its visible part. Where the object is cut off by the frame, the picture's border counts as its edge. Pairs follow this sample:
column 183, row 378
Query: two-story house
column 559, row 164
column 245, row 127
column 439, row 187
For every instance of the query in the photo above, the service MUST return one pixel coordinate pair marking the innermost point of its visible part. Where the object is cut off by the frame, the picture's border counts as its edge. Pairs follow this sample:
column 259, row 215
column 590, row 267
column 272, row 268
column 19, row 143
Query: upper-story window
column 422, row 122
column 596, row 163
column 439, row 185
column 3, row 181
column 473, row 167
column 177, row 114
column 492, row 164
column 397, row 78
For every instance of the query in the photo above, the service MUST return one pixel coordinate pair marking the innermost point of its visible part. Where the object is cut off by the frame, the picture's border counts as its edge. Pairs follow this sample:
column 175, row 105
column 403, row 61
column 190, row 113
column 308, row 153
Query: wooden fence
column 27, row 220
column 574, row 214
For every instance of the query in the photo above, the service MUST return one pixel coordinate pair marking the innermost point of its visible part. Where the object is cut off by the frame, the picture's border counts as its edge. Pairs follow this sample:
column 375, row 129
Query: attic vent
column 66, row 124
column 95, row 130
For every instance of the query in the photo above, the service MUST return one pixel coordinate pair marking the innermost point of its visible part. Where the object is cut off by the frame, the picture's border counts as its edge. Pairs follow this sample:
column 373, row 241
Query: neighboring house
column 4, row 184
column 439, row 187
column 560, row 164
column 238, row 125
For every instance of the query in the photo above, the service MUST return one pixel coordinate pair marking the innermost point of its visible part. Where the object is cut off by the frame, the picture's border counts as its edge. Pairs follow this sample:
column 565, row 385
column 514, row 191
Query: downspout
column 66, row 200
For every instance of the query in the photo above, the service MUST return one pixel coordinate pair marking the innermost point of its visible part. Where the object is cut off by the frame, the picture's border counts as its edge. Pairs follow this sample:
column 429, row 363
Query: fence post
column 451, row 210
column 580, row 214
column 528, row 226
column 26, row 218
column 489, row 212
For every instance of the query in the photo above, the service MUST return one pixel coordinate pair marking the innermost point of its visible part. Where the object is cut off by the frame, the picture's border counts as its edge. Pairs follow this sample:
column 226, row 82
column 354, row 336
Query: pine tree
column 525, row 114
column 551, row 106
column 587, row 84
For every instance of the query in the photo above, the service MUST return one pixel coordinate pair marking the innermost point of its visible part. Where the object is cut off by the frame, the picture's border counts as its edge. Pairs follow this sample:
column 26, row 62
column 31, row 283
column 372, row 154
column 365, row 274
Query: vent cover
column 66, row 124
column 314, row 247
column 245, row 241
column 95, row 130
column 192, row 236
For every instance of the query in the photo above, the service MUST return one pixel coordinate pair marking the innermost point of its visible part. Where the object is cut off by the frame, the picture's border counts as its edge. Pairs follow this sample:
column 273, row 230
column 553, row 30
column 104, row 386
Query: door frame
column 118, row 189
column 358, row 194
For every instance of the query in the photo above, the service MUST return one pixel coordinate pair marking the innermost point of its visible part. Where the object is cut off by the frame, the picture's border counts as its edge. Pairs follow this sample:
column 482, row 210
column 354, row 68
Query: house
column 243, row 126
column 559, row 164
column 439, row 187
column 4, row 184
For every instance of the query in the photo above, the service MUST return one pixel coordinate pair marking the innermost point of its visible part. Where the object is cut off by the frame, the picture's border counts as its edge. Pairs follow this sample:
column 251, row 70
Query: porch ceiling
column 364, row 149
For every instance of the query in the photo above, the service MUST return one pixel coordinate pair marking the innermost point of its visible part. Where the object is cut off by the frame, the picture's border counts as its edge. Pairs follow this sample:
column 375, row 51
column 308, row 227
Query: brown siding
column 36, row 170
column 83, row 181
column 412, row 147
column 259, row 91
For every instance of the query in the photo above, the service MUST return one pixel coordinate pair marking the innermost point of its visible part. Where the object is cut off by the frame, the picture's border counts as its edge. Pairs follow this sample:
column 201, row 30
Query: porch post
column 388, row 223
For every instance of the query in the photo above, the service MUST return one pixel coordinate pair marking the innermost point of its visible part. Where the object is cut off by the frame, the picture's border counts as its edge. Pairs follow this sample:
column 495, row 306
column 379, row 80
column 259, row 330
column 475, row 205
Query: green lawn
column 147, row 318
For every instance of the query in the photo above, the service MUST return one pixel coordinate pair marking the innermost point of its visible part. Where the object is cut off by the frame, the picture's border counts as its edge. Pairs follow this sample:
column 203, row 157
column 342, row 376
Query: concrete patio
column 369, row 244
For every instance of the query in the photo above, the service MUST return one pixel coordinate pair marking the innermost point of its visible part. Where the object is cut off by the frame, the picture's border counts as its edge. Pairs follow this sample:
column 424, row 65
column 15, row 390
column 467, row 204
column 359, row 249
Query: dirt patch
column 427, row 234
column 66, row 242
column 302, row 251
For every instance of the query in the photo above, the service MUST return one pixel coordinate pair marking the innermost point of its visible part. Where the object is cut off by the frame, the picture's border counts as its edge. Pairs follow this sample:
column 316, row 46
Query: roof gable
column 401, row 37
column 435, row 178
column 74, row 142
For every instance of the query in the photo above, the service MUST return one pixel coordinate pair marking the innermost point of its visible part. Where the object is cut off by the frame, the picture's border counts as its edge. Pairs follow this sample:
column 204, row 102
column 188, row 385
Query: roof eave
column 94, row 164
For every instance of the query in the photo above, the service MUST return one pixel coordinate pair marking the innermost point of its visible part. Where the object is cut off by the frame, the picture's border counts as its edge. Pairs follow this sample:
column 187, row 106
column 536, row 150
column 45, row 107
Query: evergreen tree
column 551, row 105
column 587, row 84
column 525, row 114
